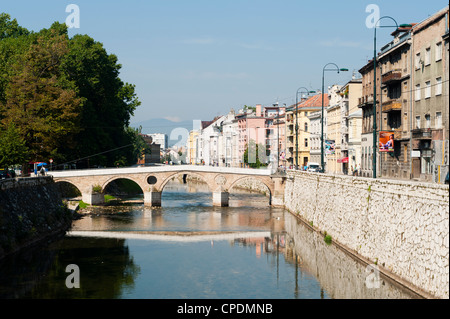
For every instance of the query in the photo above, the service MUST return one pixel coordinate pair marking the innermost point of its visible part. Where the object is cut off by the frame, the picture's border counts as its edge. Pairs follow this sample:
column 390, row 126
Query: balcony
column 391, row 76
column 391, row 106
column 422, row 134
column 365, row 101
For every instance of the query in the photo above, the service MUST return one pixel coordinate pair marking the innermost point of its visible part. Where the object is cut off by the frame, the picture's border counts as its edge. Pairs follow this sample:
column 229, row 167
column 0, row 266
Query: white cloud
column 172, row 118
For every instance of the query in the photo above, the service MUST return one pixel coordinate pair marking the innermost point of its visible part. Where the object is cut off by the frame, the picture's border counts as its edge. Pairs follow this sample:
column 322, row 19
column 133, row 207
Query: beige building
column 394, row 61
column 430, row 110
column 351, row 122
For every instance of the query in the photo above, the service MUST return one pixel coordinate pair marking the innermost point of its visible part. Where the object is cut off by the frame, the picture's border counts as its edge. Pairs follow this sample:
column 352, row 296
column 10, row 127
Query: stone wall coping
column 19, row 182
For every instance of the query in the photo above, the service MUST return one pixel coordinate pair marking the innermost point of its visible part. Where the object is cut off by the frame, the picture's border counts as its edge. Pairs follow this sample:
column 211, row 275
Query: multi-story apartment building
column 161, row 139
column 276, row 142
column 315, row 133
column 298, row 142
column 334, row 160
column 446, row 103
column 191, row 147
column 349, row 145
column 228, row 141
column 252, row 127
column 394, row 61
column 366, row 104
column 430, row 110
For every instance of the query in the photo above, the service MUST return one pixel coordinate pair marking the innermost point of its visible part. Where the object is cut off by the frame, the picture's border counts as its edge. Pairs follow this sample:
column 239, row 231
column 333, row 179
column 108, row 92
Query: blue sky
column 198, row 59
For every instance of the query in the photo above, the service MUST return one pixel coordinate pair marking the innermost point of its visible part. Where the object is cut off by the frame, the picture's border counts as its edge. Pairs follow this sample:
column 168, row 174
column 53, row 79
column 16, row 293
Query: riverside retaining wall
column 31, row 210
column 402, row 227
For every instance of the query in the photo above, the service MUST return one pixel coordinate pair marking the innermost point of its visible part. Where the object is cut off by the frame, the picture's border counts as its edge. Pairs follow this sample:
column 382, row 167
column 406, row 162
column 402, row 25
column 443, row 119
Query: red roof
column 315, row 101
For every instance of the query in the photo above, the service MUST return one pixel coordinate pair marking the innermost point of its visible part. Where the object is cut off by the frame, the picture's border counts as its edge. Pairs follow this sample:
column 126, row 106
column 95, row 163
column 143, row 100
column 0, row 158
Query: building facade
column 430, row 110
column 366, row 104
column 394, row 62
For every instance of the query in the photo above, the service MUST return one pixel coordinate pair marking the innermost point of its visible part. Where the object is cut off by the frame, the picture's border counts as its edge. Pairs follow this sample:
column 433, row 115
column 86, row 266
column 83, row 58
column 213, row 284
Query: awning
column 343, row 160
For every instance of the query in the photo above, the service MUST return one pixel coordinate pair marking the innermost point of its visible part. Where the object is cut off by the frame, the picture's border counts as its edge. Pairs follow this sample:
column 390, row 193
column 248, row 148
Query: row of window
column 427, row 122
column 427, row 58
column 427, row 89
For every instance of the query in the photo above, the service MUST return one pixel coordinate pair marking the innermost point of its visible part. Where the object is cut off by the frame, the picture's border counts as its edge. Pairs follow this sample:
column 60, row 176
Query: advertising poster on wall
column 386, row 141
column 329, row 147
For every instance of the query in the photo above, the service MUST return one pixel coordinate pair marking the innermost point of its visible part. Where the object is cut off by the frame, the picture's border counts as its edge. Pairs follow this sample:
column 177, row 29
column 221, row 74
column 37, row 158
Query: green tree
column 252, row 155
column 10, row 28
column 139, row 146
column 40, row 100
column 65, row 95
column 108, row 103
column 13, row 149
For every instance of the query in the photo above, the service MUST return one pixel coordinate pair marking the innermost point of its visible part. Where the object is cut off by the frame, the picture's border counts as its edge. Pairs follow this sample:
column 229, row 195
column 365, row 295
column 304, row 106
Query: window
column 427, row 56
column 417, row 92
column 438, row 120
column 417, row 122
column 417, row 61
column 405, row 152
column 306, row 127
column 427, row 121
column 306, row 142
column 427, row 89
column 426, row 165
column 438, row 51
column 438, row 89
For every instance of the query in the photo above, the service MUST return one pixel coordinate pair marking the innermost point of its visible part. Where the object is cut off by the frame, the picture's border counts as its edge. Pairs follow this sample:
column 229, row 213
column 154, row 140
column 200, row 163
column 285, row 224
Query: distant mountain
column 164, row 126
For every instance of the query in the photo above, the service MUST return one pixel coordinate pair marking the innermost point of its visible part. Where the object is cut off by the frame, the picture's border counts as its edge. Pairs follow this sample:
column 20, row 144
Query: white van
column 313, row 167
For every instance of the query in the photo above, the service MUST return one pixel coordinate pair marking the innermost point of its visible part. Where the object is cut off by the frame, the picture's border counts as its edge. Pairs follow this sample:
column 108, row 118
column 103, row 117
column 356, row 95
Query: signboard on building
column 329, row 147
column 386, row 141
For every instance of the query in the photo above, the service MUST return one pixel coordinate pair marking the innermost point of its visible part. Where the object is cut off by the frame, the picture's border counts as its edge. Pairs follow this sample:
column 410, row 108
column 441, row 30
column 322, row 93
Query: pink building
column 259, row 127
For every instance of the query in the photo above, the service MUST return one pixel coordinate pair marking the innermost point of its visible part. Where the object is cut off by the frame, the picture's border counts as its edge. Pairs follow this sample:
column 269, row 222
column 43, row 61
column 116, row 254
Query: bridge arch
column 68, row 191
column 125, row 178
column 182, row 173
column 262, row 181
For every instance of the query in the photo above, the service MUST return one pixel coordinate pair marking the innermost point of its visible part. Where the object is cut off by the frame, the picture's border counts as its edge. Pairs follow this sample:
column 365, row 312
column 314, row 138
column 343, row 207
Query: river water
column 188, row 249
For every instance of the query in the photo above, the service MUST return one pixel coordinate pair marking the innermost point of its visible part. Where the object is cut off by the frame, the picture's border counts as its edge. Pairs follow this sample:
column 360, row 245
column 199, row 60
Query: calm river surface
column 189, row 249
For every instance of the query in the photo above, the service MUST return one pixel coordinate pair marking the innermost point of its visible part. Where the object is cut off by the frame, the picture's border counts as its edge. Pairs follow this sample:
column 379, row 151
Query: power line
column 83, row 158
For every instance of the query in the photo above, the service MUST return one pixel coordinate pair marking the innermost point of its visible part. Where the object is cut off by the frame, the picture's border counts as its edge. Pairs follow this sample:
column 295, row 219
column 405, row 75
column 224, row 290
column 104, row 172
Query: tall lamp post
column 374, row 110
column 337, row 69
column 305, row 90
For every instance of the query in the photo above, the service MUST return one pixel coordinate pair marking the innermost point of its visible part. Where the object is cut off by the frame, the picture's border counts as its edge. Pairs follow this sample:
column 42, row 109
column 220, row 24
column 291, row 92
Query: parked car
column 447, row 178
column 4, row 174
column 314, row 167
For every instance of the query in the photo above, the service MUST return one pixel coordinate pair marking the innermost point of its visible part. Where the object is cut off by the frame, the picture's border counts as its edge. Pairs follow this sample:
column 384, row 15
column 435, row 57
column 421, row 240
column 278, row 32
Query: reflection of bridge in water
column 171, row 236
column 152, row 180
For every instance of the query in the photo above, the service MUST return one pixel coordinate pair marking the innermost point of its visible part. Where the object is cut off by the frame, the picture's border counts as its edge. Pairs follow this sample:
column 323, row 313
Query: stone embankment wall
column 31, row 210
column 402, row 227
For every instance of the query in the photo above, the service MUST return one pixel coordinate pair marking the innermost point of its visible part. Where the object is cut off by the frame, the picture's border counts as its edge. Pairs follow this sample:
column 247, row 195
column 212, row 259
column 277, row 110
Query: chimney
column 258, row 110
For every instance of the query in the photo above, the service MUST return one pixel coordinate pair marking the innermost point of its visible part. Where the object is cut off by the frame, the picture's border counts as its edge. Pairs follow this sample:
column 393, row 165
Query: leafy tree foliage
column 254, row 155
column 64, row 96
column 12, row 148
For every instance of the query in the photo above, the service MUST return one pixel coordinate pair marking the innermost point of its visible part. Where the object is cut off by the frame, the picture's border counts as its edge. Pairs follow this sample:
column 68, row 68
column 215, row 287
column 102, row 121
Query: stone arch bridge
column 152, row 180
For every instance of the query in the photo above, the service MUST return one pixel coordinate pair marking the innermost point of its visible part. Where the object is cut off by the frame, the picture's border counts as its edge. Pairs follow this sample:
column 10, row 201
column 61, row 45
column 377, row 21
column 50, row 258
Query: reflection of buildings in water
column 342, row 276
column 264, row 245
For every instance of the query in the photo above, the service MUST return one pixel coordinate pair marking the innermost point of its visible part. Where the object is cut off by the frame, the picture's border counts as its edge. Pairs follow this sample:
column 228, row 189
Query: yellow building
column 298, row 141
column 192, row 147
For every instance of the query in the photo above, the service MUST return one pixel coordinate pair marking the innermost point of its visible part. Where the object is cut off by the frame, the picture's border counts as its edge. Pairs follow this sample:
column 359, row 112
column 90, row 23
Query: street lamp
column 296, row 121
column 375, row 146
column 322, row 159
